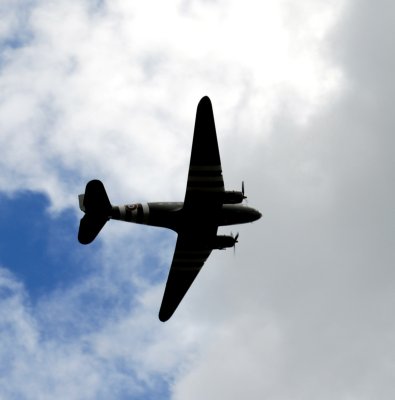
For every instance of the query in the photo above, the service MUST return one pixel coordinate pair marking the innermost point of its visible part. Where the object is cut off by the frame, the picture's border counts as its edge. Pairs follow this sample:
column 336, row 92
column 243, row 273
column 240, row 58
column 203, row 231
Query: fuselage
column 172, row 215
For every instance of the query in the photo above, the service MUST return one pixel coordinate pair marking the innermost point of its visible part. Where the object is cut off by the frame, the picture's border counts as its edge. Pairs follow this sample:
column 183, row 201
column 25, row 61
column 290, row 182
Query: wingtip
column 205, row 100
column 165, row 314
column 163, row 318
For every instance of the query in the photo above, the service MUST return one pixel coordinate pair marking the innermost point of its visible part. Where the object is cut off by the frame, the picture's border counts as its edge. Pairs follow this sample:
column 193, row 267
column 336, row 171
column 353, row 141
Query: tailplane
column 97, row 208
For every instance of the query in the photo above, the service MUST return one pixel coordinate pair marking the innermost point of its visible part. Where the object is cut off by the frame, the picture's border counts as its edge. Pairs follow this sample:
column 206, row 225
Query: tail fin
column 97, row 208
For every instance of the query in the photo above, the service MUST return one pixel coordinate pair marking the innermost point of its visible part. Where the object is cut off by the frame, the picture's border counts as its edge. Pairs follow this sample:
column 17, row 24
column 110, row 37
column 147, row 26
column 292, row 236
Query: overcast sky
column 303, row 98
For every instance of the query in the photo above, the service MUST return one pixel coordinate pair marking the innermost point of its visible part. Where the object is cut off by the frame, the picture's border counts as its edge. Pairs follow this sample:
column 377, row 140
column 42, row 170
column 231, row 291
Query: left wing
column 189, row 256
column 205, row 182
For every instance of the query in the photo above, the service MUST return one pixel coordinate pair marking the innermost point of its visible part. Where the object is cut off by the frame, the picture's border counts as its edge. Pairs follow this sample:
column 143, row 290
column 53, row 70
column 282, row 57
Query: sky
column 303, row 98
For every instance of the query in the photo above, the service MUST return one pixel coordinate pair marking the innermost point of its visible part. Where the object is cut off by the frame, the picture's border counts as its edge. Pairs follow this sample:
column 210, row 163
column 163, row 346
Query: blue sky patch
column 41, row 250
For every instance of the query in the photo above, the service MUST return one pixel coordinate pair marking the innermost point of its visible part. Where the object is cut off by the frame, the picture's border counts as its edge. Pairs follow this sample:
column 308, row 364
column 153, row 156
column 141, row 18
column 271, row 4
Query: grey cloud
column 319, row 266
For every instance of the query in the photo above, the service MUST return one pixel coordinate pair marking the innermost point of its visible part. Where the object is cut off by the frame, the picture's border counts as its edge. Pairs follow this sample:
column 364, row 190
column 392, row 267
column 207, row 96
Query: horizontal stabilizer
column 90, row 226
column 97, row 209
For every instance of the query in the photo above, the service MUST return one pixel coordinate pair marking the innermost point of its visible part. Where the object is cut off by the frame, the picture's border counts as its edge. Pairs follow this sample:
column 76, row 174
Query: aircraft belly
column 164, row 215
column 175, row 217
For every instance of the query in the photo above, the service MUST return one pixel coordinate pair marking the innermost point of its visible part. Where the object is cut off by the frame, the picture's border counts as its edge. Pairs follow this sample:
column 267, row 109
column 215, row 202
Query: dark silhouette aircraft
column 207, row 205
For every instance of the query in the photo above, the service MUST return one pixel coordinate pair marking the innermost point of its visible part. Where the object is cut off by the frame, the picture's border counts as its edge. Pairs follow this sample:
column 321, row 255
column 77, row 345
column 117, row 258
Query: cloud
column 90, row 87
column 86, row 342
column 302, row 98
column 316, row 279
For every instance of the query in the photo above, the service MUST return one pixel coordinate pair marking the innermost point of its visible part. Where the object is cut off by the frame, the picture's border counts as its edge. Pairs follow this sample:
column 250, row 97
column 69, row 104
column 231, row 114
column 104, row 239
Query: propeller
column 242, row 190
column 236, row 241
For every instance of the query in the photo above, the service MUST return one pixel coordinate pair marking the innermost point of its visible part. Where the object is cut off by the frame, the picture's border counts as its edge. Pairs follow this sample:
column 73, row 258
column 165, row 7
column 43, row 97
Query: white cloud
column 121, row 85
column 65, row 348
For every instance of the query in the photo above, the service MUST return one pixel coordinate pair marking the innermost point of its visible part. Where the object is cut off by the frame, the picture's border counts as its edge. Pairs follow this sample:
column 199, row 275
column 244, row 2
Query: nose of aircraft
column 255, row 214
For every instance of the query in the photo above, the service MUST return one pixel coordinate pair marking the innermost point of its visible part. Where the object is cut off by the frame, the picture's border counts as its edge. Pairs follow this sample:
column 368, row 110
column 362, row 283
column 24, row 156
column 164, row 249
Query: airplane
column 207, row 205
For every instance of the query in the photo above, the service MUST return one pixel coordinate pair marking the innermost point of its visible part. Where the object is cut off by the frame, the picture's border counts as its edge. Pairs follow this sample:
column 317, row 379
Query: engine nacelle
column 223, row 241
column 233, row 197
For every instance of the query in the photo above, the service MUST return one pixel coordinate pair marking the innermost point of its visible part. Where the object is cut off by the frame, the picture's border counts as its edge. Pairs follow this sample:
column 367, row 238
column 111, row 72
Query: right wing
column 189, row 256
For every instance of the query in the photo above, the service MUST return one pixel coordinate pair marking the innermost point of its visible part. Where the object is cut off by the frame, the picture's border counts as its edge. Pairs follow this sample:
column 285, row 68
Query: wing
column 205, row 182
column 189, row 257
column 203, row 199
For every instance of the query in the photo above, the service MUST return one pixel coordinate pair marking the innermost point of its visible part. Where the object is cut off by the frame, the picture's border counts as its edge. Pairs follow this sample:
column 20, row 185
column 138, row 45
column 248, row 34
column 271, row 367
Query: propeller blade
column 236, row 241
column 242, row 190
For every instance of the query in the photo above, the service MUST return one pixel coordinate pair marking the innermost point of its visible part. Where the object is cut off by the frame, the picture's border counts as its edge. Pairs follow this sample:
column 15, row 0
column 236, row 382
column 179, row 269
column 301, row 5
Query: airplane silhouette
column 207, row 205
